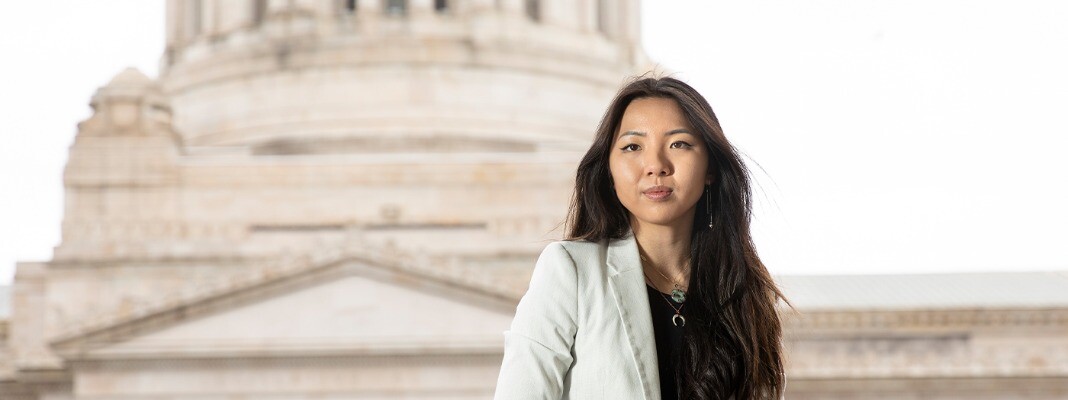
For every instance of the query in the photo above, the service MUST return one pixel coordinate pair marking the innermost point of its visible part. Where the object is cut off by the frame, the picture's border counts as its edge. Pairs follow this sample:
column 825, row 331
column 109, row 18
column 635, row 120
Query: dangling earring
column 708, row 204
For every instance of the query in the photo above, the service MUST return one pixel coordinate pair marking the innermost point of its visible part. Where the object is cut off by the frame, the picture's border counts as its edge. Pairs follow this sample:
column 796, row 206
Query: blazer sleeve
column 538, row 345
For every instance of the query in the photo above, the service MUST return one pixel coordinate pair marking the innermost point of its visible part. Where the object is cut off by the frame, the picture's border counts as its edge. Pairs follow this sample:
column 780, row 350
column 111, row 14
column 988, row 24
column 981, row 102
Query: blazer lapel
column 628, row 289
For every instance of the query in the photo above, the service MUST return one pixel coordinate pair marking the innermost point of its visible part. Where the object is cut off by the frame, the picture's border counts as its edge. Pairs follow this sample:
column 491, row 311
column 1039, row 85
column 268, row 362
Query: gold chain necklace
column 677, row 293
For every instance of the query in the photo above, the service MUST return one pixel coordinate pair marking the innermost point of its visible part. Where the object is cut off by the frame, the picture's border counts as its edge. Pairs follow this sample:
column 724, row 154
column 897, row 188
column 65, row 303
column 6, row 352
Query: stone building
column 929, row 336
column 343, row 199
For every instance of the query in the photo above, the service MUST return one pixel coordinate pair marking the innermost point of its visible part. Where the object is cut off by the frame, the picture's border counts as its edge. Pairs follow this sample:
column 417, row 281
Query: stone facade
column 343, row 199
column 929, row 354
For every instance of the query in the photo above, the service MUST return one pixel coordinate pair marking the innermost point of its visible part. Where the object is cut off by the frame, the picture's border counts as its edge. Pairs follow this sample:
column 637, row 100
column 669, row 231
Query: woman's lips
column 657, row 195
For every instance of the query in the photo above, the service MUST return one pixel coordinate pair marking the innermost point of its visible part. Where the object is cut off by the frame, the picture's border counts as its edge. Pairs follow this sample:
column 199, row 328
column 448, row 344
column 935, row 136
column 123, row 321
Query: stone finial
column 131, row 104
column 129, row 139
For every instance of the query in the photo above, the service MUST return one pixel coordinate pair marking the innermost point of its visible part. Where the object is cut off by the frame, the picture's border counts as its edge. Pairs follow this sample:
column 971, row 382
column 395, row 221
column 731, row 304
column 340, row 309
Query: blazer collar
column 623, row 254
column 631, row 297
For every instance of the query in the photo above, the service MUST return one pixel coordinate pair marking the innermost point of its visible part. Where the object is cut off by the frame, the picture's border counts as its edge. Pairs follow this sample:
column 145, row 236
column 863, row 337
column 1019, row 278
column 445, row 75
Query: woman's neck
column 667, row 248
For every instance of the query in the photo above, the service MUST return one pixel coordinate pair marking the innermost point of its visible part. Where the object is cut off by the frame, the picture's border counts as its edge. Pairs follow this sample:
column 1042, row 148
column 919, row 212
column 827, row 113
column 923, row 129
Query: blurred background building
column 343, row 199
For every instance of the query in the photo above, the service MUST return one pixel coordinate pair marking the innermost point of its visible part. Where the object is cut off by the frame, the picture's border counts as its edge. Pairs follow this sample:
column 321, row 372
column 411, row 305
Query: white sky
column 891, row 136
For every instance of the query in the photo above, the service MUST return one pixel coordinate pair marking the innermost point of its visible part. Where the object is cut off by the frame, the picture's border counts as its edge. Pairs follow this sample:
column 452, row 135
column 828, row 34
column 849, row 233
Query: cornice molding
column 947, row 318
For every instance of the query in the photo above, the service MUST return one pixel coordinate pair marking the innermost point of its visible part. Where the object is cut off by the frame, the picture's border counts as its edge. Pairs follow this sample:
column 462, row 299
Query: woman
column 657, row 292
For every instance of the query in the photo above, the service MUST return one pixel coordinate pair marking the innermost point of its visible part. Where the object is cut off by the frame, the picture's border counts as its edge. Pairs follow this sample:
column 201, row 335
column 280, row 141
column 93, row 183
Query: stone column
column 368, row 15
column 420, row 7
column 513, row 7
column 626, row 31
column 587, row 15
column 627, row 21
column 233, row 17
column 478, row 6
column 209, row 25
column 173, row 47
column 563, row 13
column 173, row 27
column 193, row 18
column 368, row 9
column 275, row 6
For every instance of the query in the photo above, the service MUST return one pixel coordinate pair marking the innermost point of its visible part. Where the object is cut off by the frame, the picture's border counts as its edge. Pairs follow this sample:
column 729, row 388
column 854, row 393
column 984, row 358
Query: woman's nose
column 656, row 164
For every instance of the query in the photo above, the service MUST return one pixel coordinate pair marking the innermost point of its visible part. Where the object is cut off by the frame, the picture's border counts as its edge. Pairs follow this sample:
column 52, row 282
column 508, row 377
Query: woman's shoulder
column 577, row 248
column 583, row 257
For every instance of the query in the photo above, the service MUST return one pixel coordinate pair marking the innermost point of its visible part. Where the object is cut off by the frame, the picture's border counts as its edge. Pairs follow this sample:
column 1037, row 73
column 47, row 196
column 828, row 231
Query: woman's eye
column 684, row 145
column 629, row 147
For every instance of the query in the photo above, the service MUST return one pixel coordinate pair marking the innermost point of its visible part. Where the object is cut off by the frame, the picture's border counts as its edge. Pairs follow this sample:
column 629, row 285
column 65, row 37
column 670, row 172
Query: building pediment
column 350, row 305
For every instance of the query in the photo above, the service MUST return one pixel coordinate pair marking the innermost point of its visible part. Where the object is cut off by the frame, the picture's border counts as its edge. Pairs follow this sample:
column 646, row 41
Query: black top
column 668, row 339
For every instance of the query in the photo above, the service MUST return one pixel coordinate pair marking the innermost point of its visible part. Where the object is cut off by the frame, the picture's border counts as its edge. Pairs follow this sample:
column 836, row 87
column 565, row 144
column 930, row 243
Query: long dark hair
column 732, row 342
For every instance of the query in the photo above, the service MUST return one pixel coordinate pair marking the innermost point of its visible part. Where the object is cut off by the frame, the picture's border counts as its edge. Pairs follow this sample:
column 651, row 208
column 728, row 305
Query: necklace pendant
column 678, row 295
column 676, row 318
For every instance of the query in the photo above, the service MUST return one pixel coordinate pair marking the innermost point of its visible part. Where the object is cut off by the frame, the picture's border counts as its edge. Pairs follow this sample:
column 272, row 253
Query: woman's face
column 658, row 163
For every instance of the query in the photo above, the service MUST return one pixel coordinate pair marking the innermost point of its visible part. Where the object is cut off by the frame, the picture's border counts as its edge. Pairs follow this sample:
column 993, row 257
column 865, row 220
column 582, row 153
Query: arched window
column 259, row 11
column 396, row 7
column 533, row 8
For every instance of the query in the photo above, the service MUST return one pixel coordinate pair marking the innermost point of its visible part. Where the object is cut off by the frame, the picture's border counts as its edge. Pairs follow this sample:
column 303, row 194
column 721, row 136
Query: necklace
column 677, row 293
column 678, row 311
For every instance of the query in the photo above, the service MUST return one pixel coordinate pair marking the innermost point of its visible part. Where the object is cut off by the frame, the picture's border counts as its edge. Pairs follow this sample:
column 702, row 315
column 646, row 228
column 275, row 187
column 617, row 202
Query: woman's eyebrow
column 642, row 134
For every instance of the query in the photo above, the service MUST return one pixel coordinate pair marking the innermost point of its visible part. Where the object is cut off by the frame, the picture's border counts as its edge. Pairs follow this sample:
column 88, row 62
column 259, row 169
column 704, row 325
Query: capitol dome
column 328, row 76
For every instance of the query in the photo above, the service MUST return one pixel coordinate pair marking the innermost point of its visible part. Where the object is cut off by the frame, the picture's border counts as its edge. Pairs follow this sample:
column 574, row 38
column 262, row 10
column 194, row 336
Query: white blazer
column 583, row 330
